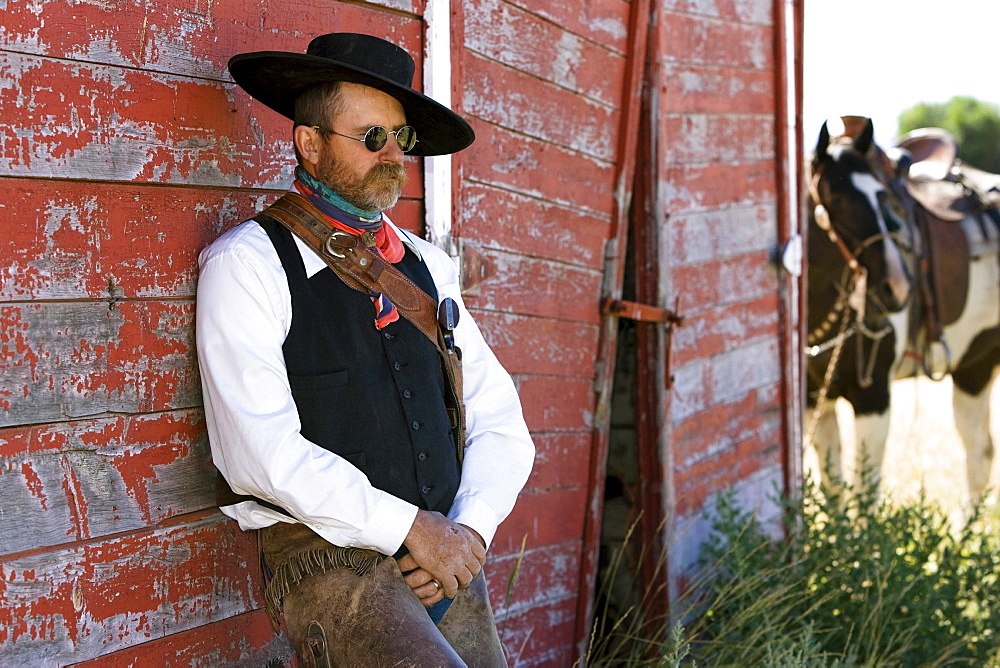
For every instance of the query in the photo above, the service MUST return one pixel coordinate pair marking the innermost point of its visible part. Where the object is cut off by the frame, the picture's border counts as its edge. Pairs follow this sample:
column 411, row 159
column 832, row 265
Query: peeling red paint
column 95, row 598
column 34, row 484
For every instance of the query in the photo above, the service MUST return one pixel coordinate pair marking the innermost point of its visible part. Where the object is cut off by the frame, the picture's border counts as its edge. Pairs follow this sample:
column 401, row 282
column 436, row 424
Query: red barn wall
column 126, row 149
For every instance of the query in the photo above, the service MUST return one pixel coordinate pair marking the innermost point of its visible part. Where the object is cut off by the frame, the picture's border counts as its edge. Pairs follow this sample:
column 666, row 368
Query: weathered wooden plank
column 544, row 575
column 539, row 169
column 717, row 138
column 738, row 10
column 509, row 221
column 703, row 437
column 531, row 286
column 74, row 239
column 122, row 124
column 543, row 635
column 557, row 404
column 539, row 345
column 529, row 106
column 719, row 329
column 601, row 21
column 546, row 518
column 130, row 125
column 697, row 484
column 244, row 640
column 557, row 55
column 72, row 481
column 66, row 360
column 560, row 461
column 735, row 280
column 74, row 604
column 697, row 39
column 193, row 37
column 716, row 234
column 702, row 188
column 710, row 88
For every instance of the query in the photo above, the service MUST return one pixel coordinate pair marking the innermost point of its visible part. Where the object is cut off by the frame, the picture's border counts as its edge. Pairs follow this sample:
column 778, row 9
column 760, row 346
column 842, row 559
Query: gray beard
column 378, row 190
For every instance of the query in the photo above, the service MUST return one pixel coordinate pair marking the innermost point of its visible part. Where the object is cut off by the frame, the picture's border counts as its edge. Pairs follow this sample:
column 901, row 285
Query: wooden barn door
column 627, row 481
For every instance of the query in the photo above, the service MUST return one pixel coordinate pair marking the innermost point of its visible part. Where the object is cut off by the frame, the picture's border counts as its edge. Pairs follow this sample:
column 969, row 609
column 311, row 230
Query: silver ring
column 436, row 584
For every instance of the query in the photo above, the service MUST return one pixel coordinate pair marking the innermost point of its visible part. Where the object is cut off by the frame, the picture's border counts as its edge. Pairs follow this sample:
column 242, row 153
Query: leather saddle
column 943, row 184
column 946, row 192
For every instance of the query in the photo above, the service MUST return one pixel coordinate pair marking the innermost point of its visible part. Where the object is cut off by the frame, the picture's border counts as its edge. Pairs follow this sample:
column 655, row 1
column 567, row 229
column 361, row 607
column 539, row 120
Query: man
column 334, row 411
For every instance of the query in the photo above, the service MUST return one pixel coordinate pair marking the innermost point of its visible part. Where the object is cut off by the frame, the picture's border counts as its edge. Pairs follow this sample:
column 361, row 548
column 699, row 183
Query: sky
column 876, row 58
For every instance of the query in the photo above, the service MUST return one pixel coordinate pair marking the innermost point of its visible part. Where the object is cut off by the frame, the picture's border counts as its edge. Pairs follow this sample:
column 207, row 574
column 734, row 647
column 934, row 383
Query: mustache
column 394, row 171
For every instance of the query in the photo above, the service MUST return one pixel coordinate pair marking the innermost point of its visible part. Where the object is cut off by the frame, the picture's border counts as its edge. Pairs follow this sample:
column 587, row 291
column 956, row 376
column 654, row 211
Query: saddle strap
column 352, row 259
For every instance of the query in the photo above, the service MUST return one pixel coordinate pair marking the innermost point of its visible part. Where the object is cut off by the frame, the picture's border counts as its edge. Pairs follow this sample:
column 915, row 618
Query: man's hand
column 450, row 553
column 423, row 584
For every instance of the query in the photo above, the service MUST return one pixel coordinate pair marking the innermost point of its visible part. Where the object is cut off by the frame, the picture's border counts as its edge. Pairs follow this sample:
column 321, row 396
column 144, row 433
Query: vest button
column 426, row 489
column 397, row 366
column 388, row 336
column 415, row 425
column 422, row 456
column 407, row 394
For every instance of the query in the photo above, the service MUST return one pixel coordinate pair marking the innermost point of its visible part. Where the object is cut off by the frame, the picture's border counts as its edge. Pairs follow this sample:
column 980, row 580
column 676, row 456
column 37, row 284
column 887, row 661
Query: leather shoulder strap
column 352, row 259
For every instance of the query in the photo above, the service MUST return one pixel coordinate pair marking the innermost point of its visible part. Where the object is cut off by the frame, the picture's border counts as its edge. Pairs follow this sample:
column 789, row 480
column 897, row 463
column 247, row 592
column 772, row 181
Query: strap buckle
column 331, row 246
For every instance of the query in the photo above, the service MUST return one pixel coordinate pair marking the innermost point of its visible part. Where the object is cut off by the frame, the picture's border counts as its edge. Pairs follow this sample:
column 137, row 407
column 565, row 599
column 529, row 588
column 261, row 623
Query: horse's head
column 852, row 229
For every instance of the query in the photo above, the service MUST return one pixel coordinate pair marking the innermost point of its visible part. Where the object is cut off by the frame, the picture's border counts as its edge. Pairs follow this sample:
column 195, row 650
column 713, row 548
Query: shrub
column 858, row 580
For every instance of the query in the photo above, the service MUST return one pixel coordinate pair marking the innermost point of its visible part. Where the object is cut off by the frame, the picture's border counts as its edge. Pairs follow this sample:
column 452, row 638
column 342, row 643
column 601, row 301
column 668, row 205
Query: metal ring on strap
column 331, row 249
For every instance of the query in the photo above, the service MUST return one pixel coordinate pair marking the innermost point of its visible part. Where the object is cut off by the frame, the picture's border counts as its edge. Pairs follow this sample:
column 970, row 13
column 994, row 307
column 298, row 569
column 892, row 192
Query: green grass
column 856, row 580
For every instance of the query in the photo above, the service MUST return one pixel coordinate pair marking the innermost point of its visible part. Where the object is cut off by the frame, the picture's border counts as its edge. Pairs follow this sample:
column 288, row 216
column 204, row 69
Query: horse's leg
column 973, row 378
column 871, row 416
column 972, row 419
column 872, row 430
column 826, row 440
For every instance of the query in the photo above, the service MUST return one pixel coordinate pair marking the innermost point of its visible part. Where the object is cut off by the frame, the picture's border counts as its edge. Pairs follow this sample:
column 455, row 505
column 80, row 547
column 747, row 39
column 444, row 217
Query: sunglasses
column 377, row 136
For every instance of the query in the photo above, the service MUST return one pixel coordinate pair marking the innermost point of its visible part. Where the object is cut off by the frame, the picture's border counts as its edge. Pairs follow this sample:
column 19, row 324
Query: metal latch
column 622, row 308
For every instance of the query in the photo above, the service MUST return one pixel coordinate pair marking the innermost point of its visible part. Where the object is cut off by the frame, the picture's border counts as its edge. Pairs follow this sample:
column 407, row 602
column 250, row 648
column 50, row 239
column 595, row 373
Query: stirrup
column 926, row 360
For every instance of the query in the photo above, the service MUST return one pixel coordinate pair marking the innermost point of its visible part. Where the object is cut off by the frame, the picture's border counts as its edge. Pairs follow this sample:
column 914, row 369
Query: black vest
column 376, row 398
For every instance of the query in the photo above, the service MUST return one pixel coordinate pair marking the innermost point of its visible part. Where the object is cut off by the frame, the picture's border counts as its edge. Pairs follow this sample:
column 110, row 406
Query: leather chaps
column 351, row 607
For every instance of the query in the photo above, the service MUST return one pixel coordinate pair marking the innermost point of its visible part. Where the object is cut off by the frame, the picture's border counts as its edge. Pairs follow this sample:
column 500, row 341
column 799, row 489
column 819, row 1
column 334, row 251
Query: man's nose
column 391, row 151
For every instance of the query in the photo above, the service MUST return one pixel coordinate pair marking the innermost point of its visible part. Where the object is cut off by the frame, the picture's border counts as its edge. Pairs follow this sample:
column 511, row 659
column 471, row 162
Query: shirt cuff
column 387, row 527
column 477, row 514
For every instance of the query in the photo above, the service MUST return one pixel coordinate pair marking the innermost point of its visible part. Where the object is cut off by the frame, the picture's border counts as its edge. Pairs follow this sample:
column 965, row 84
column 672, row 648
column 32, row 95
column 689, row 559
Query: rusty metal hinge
column 653, row 314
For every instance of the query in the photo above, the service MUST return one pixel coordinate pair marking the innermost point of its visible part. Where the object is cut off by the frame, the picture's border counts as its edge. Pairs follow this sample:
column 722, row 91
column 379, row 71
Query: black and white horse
column 866, row 307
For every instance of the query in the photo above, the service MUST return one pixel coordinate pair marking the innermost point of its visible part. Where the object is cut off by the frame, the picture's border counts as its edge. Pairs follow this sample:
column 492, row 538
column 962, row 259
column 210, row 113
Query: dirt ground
column 924, row 448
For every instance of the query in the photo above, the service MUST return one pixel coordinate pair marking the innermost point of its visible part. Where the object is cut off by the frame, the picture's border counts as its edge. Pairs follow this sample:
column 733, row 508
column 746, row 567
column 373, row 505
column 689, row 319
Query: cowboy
column 356, row 414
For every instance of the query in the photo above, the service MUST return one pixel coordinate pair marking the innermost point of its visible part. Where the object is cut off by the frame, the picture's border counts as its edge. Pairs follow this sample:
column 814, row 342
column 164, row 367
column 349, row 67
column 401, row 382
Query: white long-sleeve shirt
column 244, row 312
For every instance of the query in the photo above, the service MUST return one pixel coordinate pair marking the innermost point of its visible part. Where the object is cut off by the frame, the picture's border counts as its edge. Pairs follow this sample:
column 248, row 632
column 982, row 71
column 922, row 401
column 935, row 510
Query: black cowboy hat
column 276, row 78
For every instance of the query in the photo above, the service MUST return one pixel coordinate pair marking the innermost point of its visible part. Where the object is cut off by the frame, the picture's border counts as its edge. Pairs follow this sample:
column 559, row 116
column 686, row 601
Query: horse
column 875, row 303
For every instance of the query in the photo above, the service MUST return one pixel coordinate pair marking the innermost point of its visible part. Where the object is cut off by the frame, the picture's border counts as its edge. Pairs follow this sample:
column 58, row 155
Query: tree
column 974, row 124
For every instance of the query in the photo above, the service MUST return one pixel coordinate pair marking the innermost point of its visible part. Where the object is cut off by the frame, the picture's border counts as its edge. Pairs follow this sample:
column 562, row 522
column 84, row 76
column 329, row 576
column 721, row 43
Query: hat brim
column 276, row 78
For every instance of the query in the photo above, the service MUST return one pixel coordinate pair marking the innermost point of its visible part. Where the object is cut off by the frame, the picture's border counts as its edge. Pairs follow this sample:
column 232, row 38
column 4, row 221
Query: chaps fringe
column 309, row 563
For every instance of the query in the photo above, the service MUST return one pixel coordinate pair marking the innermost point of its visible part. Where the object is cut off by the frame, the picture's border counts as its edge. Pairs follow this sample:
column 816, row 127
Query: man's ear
column 307, row 144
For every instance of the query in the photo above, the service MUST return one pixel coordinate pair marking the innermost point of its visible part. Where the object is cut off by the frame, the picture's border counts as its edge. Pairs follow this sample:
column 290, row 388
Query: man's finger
column 417, row 578
column 406, row 563
column 429, row 594
column 464, row 577
column 449, row 586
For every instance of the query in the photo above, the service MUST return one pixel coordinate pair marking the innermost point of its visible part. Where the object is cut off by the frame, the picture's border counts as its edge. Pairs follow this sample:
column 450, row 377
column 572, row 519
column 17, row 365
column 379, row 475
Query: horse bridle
column 856, row 291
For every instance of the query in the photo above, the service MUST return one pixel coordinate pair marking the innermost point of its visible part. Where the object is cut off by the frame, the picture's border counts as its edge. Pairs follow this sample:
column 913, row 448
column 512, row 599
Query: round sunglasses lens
column 407, row 138
column 375, row 138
